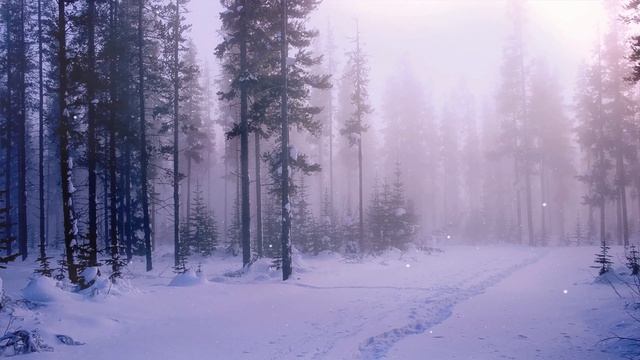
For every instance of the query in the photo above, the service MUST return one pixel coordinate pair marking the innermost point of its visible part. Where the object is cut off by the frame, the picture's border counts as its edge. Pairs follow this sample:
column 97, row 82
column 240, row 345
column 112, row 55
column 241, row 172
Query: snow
column 188, row 278
column 89, row 274
column 464, row 303
column 41, row 289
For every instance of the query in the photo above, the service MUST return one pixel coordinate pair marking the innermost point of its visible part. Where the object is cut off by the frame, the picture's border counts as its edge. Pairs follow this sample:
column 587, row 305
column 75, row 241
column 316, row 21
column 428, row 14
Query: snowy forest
column 320, row 179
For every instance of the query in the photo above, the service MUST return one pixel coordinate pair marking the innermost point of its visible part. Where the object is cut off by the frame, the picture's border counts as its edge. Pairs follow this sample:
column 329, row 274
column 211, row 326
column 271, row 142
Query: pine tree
column 378, row 219
column 552, row 150
column 6, row 240
column 200, row 232
column 603, row 259
column 356, row 126
column 272, row 229
column 402, row 220
column 303, row 224
column 633, row 260
column 579, row 235
column 516, row 139
column 594, row 140
column 618, row 113
column 328, row 239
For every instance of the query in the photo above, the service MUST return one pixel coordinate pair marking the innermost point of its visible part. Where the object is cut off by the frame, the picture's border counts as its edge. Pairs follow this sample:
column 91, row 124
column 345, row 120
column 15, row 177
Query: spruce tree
column 356, row 126
column 603, row 259
column 303, row 224
column 633, row 260
column 200, row 232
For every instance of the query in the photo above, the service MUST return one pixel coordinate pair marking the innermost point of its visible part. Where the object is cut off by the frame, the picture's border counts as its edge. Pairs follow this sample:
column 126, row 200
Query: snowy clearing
column 464, row 303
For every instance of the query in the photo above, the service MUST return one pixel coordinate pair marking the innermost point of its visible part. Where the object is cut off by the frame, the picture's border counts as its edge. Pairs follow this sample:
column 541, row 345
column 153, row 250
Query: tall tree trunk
column 144, row 161
column 42, row 232
column 518, row 199
column 603, row 220
column 259, row 240
column 622, row 193
column 188, row 209
column 618, row 217
column 22, row 139
column 105, row 199
column 360, row 196
column 91, row 140
column 113, row 124
column 70, row 222
column 176, row 142
column 527, row 180
column 284, row 113
column 8, row 113
column 225, row 236
column 360, row 171
column 543, row 207
column 244, row 142
column 127, row 196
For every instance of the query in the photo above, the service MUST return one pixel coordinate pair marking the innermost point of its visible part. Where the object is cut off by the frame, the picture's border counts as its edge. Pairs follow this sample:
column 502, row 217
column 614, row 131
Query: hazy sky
column 444, row 42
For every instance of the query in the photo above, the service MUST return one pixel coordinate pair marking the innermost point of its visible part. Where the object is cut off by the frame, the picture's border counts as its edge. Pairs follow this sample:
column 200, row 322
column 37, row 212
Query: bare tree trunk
column 286, row 206
column 70, row 222
column 244, row 143
column 622, row 193
column 360, row 196
column 360, row 171
column 543, row 207
column 188, row 209
column 42, row 232
column 527, row 179
column 259, row 240
column 176, row 142
column 144, row 159
column 22, row 140
column 112, row 163
column 91, row 140
column 9, row 137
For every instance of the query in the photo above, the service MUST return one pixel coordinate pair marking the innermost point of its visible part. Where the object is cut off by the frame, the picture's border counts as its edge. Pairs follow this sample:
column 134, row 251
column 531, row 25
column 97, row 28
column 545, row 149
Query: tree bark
column 244, row 141
column 22, row 140
column 8, row 109
column 113, row 181
column 144, row 160
column 70, row 222
column 259, row 240
column 286, row 207
column 42, row 232
column 176, row 142
column 91, row 140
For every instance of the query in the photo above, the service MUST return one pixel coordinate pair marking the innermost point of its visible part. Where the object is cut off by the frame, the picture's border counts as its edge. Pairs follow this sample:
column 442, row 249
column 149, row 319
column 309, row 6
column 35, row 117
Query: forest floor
column 492, row 302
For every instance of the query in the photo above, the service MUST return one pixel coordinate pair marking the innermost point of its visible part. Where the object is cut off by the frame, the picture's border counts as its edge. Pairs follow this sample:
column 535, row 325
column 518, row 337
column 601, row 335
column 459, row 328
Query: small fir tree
column 202, row 237
column 633, row 261
column 603, row 259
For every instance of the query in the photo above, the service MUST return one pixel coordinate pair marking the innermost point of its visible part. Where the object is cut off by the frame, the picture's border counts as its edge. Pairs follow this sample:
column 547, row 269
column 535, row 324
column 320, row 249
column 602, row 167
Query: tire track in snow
column 433, row 311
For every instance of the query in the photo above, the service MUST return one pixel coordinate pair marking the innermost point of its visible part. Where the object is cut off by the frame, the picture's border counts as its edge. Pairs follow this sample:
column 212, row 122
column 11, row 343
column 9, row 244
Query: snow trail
column 434, row 310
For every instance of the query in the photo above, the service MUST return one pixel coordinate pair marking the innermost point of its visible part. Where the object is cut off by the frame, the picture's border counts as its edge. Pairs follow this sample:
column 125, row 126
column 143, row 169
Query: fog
column 444, row 58
column 320, row 179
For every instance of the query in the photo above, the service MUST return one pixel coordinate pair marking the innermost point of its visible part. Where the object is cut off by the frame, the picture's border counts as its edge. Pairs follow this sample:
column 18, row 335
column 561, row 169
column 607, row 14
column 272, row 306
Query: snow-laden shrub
column 42, row 289
column 22, row 342
column 187, row 278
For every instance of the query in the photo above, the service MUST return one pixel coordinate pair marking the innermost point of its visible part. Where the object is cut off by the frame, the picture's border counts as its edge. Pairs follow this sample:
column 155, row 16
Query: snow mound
column 297, row 262
column 262, row 270
column 188, row 278
column 90, row 274
column 43, row 289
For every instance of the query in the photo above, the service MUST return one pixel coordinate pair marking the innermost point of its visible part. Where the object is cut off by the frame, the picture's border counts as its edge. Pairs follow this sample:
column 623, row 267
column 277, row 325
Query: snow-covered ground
column 464, row 303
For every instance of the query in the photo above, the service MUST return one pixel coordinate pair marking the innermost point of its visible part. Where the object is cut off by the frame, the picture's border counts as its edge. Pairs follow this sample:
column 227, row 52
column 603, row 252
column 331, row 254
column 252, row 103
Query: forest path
column 396, row 306
column 551, row 309
column 438, row 307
